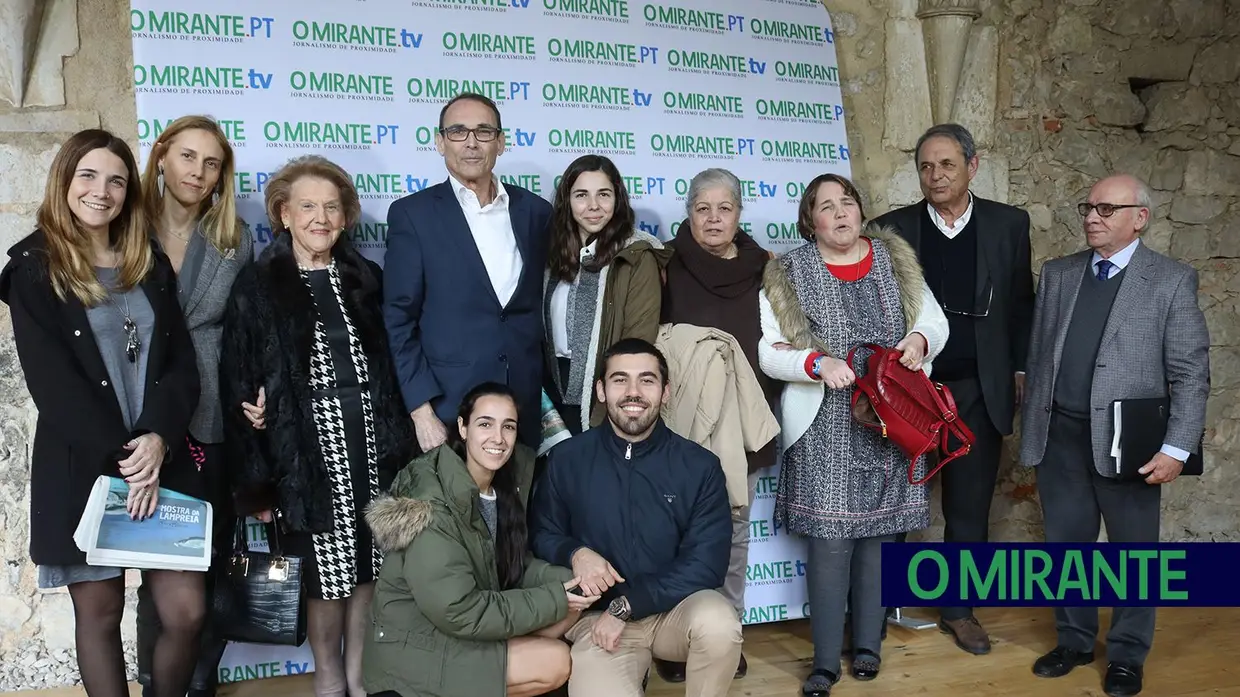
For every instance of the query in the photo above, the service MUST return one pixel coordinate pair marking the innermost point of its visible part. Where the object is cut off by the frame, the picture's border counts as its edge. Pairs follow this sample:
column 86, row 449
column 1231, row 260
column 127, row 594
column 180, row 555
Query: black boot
column 670, row 671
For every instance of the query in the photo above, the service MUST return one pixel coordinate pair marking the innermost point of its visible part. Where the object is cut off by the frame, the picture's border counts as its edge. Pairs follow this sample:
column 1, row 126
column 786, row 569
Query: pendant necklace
column 133, row 345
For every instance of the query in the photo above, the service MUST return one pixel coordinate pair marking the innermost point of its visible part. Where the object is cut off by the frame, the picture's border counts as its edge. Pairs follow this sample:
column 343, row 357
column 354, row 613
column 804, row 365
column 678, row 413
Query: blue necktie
column 1104, row 270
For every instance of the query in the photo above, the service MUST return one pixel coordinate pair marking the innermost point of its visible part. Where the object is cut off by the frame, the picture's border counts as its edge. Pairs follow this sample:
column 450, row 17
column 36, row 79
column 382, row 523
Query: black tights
column 211, row 646
column 97, row 608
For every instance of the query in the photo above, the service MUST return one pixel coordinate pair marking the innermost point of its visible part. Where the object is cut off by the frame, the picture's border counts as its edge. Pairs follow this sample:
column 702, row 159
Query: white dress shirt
column 954, row 229
column 559, row 310
column 1119, row 261
column 491, row 227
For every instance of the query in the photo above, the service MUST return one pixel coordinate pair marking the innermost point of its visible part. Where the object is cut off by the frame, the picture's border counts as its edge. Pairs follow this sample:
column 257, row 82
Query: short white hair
column 710, row 179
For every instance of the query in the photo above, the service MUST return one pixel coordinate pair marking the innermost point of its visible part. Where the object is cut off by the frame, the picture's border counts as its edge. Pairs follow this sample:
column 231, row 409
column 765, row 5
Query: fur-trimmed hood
column 788, row 311
column 433, row 485
column 396, row 520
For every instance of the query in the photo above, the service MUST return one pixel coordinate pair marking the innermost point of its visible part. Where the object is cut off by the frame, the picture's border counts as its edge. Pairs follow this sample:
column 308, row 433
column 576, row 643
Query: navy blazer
column 447, row 328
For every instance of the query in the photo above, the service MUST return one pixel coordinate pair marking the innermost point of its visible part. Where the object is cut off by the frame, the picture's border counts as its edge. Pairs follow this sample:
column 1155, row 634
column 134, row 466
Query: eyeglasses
column 458, row 134
column 132, row 344
column 990, row 296
column 1106, row 210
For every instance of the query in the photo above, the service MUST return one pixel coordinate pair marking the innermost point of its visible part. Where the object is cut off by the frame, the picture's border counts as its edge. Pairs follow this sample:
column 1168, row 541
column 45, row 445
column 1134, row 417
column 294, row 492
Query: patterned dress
column 841, row 480
column 339, row 560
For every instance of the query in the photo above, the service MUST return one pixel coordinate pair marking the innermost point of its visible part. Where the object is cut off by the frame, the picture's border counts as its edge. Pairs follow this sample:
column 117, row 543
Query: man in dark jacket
column 642, row 517
column 975, row 253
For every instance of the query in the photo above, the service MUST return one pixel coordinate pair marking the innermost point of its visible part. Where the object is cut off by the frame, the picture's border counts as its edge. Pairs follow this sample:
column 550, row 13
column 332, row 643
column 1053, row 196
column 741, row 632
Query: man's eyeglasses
column 975, row 313
column 458, row 134
column 1106, row 210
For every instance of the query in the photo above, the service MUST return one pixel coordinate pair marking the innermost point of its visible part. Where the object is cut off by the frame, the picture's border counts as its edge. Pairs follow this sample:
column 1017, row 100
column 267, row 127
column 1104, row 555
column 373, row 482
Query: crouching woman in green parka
column 461, row 608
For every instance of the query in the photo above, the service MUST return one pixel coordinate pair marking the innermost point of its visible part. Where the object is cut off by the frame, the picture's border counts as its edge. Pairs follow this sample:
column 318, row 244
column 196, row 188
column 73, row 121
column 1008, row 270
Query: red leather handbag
column 908, row 409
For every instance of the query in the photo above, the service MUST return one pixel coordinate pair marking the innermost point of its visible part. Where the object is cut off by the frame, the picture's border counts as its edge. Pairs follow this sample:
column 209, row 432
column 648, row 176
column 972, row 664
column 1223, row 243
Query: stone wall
column 1059, row 93
column 56, row 78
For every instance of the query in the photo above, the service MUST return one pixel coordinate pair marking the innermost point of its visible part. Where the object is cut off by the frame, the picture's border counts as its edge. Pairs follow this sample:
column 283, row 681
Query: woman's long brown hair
column 564, row 256
column 219, row 217
column 69, row 251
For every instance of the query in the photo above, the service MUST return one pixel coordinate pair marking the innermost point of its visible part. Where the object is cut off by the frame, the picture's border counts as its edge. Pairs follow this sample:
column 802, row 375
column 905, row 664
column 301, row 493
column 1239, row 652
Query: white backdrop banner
column 665, row 89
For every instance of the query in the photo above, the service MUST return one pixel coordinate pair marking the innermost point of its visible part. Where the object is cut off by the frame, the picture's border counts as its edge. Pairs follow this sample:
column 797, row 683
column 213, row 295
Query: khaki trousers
column 703, row 631
column 734, row 583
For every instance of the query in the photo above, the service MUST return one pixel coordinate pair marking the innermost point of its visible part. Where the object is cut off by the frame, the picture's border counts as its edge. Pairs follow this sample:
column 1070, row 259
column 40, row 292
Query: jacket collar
column 619, row 446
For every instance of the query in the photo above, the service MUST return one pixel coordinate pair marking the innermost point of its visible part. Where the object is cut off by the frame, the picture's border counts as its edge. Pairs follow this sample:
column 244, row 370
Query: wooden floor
column 1194, row 656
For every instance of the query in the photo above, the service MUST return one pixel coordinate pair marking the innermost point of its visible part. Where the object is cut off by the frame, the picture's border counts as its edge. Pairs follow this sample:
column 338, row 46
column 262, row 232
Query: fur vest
column 268, row 339
column 792, row 320
column 784, row 322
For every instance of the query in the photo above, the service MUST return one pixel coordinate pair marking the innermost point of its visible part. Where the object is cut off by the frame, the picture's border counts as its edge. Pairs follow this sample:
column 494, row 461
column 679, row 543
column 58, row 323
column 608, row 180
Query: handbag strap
column 873, row 347
column 240, row 543
column 954, row 425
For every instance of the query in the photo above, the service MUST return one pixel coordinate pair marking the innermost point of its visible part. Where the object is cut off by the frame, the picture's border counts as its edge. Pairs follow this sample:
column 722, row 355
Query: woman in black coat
column 304, row 340
column 108, row 361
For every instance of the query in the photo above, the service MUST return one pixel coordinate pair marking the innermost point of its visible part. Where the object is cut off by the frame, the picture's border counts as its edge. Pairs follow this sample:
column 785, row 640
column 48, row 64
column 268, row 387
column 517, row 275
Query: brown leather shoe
column 968, row 633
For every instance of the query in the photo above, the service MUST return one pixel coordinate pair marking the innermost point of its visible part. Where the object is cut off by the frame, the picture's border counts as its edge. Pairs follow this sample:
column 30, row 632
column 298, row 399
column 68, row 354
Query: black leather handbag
column 259, row 597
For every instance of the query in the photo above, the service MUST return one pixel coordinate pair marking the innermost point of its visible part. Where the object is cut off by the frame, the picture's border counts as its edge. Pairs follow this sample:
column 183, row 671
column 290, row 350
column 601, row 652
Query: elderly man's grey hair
column 710, row 179
column 956, row 132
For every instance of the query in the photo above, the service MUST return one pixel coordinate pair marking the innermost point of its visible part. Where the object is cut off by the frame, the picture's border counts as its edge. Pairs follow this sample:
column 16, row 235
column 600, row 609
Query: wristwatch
column 619, row 608
column 817, row 366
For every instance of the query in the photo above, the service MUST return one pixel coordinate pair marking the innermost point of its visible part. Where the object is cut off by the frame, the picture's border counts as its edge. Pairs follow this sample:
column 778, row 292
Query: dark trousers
column 1075, row 499
column 968, row 482
column 206, row 672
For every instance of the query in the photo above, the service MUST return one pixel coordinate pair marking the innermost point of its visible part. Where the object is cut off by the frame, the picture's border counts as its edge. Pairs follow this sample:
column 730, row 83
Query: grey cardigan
column 204, row 305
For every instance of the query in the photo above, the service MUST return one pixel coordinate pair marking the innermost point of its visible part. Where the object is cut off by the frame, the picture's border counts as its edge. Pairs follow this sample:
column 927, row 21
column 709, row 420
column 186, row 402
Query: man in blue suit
column 463, row 279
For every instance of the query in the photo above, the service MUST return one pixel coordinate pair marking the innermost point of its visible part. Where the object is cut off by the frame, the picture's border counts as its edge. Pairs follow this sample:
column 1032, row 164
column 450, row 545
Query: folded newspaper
column 177, row 537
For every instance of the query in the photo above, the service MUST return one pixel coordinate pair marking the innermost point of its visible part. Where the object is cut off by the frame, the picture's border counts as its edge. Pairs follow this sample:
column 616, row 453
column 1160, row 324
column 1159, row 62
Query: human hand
column 142, row 501
column 141, row 468
column 430, row 431
column 1162, row 469
column 595, row 572
column 257, row 412
column 578, row 603
column 606, row 632
column 914, row 347
column 1019, row 381
column 835, row 373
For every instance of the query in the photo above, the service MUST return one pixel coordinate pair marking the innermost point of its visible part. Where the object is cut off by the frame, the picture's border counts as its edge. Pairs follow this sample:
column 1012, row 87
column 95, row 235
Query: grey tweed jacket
column 1155, row 344
column 204, row 315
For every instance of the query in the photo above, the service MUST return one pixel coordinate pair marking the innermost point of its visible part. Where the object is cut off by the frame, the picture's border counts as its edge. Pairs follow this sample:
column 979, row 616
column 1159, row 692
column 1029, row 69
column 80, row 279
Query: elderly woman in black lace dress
column 304, row 332
column 843, row 486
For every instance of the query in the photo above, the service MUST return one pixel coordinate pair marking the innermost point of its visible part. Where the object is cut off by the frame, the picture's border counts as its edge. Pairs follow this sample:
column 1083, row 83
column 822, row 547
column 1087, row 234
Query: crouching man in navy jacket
column 642, row 517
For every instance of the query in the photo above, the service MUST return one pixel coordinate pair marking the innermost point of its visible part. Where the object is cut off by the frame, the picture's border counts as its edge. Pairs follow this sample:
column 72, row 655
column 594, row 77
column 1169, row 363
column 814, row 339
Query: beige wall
column 1046, row 88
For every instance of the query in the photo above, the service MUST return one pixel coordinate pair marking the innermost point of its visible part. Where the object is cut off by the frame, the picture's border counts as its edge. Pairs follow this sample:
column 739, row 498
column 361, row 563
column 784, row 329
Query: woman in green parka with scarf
column 461, row 608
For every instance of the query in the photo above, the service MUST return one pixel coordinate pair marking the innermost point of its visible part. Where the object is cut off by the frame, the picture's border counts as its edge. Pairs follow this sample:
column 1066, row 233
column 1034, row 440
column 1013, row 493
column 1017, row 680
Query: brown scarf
column 709, row 291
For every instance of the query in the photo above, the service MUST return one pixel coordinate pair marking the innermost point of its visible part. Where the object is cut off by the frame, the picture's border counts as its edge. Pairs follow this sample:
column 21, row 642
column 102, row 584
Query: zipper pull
column 628, row 452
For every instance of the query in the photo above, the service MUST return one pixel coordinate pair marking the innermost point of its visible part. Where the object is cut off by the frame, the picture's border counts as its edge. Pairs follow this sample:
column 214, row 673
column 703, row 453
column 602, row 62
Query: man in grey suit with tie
column 1117, row 321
